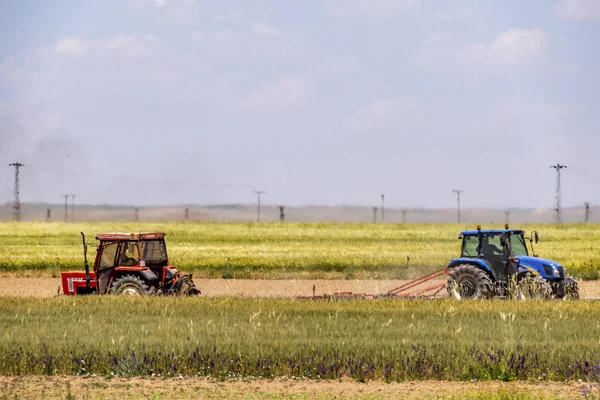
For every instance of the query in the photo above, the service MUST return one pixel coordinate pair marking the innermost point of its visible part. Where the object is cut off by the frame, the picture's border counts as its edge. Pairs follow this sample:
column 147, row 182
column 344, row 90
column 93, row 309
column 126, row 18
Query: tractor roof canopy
column 118, row 236
column 492, row 231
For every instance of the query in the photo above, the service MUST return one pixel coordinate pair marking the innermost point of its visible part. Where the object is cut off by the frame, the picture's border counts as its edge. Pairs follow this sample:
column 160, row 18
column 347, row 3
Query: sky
column 330, row 102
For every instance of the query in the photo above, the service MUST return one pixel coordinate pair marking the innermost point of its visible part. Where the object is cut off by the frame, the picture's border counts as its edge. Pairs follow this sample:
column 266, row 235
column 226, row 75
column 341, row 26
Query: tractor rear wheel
column 533, row 287
column 468, row 282
column 129, row 285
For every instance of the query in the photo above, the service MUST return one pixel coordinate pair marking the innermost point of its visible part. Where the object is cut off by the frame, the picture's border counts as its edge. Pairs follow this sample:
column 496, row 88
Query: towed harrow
column 430, row 291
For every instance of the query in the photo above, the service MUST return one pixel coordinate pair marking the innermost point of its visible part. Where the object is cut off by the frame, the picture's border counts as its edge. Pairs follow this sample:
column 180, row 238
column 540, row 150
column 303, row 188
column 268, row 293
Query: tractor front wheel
column 570, row 288
column 187, row 287
column 531, row 287
column 468, row 282
column 129, row 285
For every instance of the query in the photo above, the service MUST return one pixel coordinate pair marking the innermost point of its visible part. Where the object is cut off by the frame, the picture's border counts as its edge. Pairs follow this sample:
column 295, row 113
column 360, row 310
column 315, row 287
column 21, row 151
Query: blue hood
column 552, row 269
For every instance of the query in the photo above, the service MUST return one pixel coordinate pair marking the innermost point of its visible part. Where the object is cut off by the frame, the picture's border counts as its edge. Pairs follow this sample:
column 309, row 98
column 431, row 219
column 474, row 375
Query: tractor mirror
column 536, row 237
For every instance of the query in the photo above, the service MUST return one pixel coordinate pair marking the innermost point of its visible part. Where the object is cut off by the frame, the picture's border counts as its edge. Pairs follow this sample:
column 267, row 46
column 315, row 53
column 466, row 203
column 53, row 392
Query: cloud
column 540, row 127
column 577, row 8
column 517, row 108
column 103, row 64
column 289, row 92
column 515, row 47
column 131, row 45
column 372, row 9
column 377, row 114
column 233, row 16
column 264, row 31
column 42, row 142
column 68, row 45
column 458, row 15
column 186, row 13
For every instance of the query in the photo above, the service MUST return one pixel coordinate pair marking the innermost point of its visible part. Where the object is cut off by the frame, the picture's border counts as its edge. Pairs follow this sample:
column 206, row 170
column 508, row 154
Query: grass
column 226, row 338
column 298, row 250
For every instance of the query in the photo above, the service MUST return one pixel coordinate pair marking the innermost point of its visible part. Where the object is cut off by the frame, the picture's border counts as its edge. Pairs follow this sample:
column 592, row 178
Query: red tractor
column 129, row 264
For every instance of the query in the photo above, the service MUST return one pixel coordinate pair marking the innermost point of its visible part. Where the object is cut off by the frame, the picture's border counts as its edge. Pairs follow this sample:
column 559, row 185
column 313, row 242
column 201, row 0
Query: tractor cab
column 129, row 263
column 496, row 249
column 493, row 258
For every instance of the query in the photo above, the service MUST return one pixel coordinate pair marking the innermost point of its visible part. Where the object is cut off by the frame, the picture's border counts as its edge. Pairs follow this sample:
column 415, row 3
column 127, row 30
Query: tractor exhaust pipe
column 85, row 263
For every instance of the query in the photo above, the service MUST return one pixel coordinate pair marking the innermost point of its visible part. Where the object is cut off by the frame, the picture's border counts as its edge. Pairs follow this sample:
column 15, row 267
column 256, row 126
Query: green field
column 389, row 340
column 301, row 250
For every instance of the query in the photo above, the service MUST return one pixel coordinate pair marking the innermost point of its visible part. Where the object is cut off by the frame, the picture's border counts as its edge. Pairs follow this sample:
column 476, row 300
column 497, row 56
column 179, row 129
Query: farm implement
column 129, row 264
column 493, row 264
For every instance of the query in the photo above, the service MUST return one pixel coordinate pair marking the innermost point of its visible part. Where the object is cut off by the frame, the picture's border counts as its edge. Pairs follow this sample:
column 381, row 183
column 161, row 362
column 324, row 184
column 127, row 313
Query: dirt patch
column 134, row 388
column 48, row 287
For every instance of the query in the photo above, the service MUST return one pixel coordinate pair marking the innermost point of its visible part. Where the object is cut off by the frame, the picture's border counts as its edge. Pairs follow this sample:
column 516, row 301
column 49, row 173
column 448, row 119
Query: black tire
column 468, row 282
column 129, row 285
column 533, row 287
column 187, row 287
column 570, row 288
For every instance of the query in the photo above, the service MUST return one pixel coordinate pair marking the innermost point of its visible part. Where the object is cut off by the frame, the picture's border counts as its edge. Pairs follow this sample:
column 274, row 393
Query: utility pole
column 374, row 214
column 48, row 211
column 66, row 196
column 281, row 213
column 587, row 212
column 558, row 167
column 404, row 212
column 137, row 214
column 72, row 208
column 382, row 209
column 458, row 193
column 258, row 193
column 507, row 217
column 187, row 214
column 17, row 205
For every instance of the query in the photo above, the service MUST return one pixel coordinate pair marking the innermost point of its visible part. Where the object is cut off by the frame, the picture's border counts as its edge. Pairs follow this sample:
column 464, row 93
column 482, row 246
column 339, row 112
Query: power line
column 458, row 192
column 17, row 205
column 558, row 168
column 258, row 193
column 151, row 179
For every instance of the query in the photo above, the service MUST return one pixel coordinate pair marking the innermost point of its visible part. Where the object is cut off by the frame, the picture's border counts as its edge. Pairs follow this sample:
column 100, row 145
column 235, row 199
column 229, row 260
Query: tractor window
column 492, row 246
column 129, row 255
column 107, row 259
column 470, row 244
column 154, row 252
column 518, row 246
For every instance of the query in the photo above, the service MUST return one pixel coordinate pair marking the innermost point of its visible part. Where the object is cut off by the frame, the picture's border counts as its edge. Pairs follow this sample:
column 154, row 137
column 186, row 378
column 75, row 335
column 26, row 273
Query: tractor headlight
column 555, row 271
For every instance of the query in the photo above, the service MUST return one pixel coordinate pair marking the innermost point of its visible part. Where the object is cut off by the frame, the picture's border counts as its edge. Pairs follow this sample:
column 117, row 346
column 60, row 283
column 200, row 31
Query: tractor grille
column 550, row 271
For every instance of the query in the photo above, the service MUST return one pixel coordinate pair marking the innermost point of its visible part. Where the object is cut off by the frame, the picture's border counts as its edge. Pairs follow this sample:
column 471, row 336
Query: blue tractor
column 496, row 263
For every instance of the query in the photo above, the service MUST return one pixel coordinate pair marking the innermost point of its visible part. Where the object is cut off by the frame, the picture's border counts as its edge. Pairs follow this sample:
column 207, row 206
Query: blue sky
column 316, row 102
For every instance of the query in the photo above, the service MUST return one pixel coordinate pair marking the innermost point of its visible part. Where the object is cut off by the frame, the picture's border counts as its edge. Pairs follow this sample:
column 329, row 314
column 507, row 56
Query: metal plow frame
column 402, row 291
